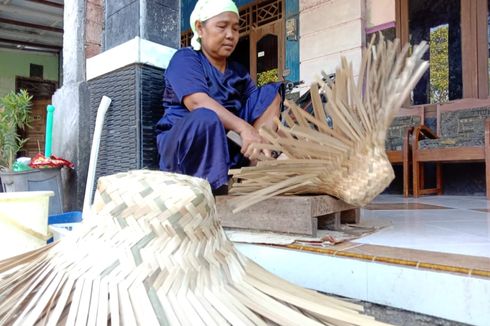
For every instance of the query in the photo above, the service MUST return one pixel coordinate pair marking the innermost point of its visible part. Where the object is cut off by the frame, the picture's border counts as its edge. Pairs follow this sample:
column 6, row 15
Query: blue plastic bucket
column 61, row 224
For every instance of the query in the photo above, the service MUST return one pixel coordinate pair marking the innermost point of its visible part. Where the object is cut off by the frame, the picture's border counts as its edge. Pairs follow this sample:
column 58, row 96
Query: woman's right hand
column 249, row 136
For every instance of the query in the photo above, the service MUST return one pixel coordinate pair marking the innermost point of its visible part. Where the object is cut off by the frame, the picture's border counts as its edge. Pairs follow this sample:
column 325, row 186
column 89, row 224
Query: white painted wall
column 330, row 29
column 379, row 12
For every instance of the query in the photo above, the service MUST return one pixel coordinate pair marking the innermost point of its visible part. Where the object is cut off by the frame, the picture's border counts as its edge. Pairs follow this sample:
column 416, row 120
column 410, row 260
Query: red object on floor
column 40, row 161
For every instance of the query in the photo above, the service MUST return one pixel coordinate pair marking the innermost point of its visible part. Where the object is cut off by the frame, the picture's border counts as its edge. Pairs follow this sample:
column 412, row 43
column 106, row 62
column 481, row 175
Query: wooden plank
column 482, row 47
column 351, row 216
column 395, row 157
column 487, row 157
column 287, row 214
column 329, row 221
column 469, row 48
column 454, row 155
column 334, row 220
column 323, row 204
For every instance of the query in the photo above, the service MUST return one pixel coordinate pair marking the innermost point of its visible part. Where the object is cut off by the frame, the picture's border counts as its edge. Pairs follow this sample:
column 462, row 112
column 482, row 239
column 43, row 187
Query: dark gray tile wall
column 163, row 22
column 160, row 23
column 122, row 26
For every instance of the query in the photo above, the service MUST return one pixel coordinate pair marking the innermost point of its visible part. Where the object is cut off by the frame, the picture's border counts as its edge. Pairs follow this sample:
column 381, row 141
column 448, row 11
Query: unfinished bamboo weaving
column 347, row 160
column 155, row 254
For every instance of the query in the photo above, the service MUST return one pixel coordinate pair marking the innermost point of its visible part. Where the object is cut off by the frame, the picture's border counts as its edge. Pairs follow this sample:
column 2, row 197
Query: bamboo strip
column 355, row 167
column 161, row 255
column 168, row 263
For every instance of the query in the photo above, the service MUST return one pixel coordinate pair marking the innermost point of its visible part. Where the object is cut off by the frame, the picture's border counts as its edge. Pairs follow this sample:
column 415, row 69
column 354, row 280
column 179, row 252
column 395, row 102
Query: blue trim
column 292, row 47
column 69, row 217
column 186, row 7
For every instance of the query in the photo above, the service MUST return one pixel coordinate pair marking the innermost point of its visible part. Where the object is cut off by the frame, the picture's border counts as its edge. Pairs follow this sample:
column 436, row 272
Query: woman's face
column 219, row 34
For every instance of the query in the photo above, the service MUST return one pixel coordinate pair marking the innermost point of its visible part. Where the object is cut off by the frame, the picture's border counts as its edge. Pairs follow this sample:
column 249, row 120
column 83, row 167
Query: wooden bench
column 398, row 146
column 463, row 135
column 289, row 214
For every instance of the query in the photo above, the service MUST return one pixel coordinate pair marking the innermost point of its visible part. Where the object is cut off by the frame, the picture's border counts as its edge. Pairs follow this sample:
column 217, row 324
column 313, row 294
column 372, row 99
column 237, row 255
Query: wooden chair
column 463, row 135
column 398, row 147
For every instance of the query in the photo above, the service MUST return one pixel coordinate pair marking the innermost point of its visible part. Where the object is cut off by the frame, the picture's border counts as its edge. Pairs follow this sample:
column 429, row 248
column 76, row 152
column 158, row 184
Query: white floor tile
column 478, row 228
column 455, row 201
column 459, row 230
column 446, row 295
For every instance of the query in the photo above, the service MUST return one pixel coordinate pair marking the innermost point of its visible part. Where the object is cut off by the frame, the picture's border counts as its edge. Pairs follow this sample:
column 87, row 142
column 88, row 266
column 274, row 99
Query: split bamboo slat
column 154, row 253
column 348, row 160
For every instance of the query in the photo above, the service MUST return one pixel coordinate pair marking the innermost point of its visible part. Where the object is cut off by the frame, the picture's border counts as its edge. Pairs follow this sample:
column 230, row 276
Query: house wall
column 292, row 47
column 330, row 29
column 379, row 12
column 94, row 25
column 17, row 63
column 188, row 5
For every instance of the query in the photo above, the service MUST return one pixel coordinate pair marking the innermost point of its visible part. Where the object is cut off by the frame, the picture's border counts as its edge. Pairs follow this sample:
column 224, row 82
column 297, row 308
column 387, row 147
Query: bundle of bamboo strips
column 347, row 160
column 155, row 254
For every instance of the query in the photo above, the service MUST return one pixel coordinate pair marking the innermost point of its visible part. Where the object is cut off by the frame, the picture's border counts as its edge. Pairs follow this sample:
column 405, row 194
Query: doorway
column 261, row 46
column 242, row 52
column 41, row 91
column 267, row 52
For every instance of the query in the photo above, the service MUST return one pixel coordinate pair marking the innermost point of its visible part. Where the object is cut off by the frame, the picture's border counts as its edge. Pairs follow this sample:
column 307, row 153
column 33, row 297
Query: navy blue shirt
column 190, row 72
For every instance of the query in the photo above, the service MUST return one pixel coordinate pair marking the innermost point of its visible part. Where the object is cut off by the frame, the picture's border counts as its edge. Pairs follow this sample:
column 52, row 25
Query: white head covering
column 206, row 9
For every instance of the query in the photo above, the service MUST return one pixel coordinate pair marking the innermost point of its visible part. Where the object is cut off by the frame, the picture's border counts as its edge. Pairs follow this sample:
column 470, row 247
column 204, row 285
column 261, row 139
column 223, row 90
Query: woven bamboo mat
column 339, row 149
column 154, row 253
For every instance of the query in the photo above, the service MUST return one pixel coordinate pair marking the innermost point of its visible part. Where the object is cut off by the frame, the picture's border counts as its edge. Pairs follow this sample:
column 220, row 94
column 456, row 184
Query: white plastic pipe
column 94, row 154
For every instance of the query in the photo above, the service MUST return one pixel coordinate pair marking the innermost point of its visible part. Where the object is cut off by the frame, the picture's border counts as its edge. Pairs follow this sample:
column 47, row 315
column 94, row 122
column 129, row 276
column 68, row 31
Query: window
column 438, row 23
column 387, row 30
column 36, row 71
column 261, row 45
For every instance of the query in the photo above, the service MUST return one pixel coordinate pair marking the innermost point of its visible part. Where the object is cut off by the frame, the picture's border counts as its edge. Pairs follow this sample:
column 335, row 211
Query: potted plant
column 15, row 109
column 15, row 115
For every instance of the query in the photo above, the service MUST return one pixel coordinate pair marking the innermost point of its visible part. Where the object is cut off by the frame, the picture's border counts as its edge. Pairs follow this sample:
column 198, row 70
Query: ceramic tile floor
column 446, row 224
column 433, row 257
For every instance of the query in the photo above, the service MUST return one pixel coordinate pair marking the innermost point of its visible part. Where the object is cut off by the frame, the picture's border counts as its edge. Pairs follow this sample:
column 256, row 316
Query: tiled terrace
column 432, row 257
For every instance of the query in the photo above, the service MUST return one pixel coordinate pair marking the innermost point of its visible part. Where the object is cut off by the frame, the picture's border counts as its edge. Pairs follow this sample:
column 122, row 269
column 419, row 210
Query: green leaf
column 15, row 114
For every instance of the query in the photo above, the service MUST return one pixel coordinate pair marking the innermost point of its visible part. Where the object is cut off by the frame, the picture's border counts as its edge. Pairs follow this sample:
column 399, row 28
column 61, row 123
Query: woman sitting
column 207, row 95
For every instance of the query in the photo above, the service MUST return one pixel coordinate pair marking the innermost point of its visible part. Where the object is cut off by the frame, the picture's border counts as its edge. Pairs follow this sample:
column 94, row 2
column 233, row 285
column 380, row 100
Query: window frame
column 379, row 28
column 256, row 22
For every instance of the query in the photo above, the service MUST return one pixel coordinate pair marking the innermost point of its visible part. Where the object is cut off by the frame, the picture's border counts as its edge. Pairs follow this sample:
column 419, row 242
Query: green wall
column 17, row 63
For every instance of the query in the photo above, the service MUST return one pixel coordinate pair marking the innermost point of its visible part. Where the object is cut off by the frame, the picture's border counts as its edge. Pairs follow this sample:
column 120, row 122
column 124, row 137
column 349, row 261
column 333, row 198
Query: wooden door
column 41, row 90
column 36, row 134
column 267, row 49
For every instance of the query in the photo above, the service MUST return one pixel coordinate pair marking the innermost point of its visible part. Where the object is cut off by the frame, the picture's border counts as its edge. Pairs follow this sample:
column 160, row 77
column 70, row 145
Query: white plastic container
column 62, row 230
column 23, row 221
column 62, row 224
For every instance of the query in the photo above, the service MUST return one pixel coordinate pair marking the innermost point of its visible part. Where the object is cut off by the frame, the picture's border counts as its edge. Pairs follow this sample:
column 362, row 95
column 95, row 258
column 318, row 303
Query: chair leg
column 487, row 177
column 406, row 180
column 439, row 178
column 422, row 176
column 406, row 158
column 415, row 177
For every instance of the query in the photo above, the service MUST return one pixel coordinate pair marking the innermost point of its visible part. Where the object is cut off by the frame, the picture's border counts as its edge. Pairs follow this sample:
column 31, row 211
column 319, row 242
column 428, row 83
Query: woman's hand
column 249, row 136
column 248, row 133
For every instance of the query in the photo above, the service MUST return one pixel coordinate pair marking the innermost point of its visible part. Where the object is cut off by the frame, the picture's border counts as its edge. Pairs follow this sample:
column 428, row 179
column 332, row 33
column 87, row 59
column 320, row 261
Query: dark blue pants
column 197, row 145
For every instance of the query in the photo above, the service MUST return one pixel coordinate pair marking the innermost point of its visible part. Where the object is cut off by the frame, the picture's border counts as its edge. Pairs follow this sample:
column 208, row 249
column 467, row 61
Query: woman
column 206, row 95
